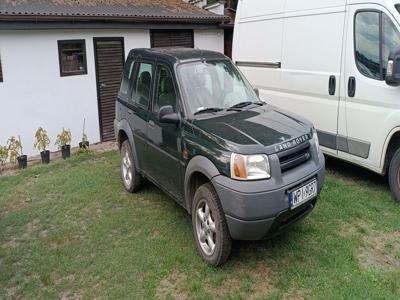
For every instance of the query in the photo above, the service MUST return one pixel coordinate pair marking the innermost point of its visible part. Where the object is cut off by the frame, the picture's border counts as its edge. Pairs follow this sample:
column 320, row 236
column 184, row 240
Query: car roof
column 177, row 55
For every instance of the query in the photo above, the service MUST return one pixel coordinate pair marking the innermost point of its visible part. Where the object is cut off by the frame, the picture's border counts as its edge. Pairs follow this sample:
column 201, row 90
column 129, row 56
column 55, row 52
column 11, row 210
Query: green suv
column 188, row 121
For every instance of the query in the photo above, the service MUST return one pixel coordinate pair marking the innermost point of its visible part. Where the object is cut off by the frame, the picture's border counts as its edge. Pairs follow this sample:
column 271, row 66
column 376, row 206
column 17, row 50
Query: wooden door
column 109, row 59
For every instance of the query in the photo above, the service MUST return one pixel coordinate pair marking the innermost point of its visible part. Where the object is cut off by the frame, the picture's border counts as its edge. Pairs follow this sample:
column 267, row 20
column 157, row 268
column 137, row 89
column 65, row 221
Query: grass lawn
column 69, row 230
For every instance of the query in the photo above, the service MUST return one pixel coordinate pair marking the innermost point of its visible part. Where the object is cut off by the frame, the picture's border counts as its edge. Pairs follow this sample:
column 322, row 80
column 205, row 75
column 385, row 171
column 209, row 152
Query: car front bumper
column 260, row 209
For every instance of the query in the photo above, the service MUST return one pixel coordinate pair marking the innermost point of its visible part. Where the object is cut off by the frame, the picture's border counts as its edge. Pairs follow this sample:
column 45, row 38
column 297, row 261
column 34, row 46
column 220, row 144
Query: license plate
column 303, row 194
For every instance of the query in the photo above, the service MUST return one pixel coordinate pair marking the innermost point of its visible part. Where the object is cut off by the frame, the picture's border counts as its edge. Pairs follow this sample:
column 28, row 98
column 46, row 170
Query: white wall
column 209, row 40
column 33, row 94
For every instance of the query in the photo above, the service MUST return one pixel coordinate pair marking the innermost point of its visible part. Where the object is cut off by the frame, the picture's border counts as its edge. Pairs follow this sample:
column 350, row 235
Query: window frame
column 1, row 72
column 135, row 78
column 381, row 78
column 156, row 85
column 60, row 43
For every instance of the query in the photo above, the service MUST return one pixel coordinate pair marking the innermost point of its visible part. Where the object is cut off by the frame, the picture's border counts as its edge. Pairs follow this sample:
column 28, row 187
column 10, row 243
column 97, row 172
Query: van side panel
column 296, row 5
column 258, row 43
column 311, row 54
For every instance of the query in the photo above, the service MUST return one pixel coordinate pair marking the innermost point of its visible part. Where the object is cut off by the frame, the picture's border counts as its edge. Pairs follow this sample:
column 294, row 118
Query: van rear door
column 311, row 66
column 371, row 104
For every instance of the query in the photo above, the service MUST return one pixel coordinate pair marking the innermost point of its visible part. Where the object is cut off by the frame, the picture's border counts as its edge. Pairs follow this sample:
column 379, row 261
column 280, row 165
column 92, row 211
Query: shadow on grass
column 356, row 173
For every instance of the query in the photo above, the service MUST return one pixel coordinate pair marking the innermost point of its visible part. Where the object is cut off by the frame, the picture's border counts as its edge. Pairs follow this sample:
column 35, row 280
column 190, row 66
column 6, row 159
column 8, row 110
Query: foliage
column 14, row 148
column 3, row 155
column 64, row 138
column 42, row 139
column 84, row 138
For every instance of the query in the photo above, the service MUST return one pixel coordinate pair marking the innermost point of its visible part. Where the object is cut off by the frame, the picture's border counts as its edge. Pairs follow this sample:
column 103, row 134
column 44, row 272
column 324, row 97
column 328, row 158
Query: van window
column 391, row 40
column 367, row 44
column 126, row 78
column 143, row 84
column 375, row 37
column 166, row 94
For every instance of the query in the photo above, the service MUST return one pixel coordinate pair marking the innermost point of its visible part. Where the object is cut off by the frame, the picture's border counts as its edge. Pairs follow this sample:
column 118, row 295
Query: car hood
column 261, row 127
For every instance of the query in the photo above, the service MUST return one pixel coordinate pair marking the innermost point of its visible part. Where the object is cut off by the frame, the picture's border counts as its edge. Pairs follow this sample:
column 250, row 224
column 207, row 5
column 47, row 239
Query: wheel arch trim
column 202, row 165
column 124, row 126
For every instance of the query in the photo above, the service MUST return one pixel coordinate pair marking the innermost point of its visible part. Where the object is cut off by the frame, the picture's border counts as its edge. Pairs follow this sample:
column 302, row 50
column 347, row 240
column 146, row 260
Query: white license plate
column 303, row 194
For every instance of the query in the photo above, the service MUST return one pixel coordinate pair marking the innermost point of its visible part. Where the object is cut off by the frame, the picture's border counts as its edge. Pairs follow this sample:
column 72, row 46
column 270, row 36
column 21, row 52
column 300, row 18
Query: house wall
column 209, row 40
column 34, row 94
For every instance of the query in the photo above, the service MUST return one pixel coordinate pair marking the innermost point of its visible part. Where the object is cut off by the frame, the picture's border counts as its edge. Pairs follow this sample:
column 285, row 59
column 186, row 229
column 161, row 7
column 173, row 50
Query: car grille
column 292, row 158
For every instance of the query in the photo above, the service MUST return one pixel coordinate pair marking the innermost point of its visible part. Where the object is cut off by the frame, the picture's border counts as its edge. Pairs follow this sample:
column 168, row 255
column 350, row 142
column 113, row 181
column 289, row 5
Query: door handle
column 332, row 85
column 351, row 88
column 152, row 124
column 130, row 111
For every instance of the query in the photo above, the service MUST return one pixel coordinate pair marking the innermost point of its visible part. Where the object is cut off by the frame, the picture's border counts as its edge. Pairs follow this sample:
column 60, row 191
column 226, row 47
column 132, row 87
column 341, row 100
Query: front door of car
column 372, row 33
column 164, row 140
column 137, row 112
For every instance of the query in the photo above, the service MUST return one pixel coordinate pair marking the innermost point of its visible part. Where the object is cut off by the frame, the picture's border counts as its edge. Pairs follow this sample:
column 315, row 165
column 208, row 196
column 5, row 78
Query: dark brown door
column 172, row 38
column 109, row 59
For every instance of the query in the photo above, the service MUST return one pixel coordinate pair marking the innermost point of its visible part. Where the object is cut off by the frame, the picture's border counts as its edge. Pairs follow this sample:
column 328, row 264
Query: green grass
column 70, row 230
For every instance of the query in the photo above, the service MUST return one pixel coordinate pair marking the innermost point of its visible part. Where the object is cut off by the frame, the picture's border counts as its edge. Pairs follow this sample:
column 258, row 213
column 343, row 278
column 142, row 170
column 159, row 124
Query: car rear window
column 398, row 7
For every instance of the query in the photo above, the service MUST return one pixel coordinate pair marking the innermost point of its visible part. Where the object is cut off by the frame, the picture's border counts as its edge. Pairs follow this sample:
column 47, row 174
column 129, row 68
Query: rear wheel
column 210, row 231
column 131, row 178
column 394, row 176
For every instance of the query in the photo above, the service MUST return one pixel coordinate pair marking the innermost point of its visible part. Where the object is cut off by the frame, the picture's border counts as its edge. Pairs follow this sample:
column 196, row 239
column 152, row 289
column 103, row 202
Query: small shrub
column 3, row 155
column 42, row 139
column 64, row 138
column 14, row 148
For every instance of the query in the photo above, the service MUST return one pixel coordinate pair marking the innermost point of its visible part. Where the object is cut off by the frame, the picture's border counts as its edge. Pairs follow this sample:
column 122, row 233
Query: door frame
column 96, row 66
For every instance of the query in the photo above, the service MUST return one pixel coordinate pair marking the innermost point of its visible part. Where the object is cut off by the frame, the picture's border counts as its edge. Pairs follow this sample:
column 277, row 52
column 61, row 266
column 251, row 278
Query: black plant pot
column 66, row 151
column 22, row 161
column 45, row 155
column 84, row 145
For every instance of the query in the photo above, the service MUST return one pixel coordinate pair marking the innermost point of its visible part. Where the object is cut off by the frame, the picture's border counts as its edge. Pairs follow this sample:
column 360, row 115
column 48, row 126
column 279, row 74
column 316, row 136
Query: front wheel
column 210, row 231
column 131, row 178
column 394, row 176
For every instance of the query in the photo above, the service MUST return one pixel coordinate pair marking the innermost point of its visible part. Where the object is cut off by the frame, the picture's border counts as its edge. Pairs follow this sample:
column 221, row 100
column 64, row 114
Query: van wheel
column 210, row 231
column 130, row 176
column 394, row 176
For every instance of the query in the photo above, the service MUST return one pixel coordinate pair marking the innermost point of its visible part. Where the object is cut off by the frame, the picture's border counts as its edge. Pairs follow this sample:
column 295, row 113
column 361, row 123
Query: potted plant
column 15, row 151
column 41, row 143
column 64, row 143
column 3, row 156
column 84, row 144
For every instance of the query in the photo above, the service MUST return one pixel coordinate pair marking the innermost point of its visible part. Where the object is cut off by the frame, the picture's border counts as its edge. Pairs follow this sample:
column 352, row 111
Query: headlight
column 250, row 167
column 315, row 138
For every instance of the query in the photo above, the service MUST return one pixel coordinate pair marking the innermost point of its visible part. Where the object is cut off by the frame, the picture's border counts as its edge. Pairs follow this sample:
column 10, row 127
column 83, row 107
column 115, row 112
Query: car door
column 165, row 139
column 372, row 33
column 137, row 112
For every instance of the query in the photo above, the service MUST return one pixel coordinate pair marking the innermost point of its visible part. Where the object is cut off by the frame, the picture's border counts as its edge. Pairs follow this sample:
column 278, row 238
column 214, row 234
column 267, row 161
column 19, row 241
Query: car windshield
column 212, row 86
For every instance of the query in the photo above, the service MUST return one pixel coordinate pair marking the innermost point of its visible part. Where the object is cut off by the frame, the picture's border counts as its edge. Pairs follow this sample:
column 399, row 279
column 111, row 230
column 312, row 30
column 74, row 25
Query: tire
column 394, row 176
column 131, row 178
column 209, row 227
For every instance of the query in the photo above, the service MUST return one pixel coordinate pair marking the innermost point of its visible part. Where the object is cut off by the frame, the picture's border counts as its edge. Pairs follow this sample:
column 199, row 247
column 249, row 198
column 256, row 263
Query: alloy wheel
column 206, row 228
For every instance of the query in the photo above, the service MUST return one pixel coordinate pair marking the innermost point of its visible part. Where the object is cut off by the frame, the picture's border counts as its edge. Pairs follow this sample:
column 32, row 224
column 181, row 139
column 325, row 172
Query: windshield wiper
column 245, row 104
column 208, row 110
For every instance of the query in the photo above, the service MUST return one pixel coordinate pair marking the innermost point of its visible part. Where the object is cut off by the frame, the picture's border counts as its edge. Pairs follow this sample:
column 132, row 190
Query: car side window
column 367, row 43
column 165, row 94
column 126, row 78
column 390, row 41
column 141, row 94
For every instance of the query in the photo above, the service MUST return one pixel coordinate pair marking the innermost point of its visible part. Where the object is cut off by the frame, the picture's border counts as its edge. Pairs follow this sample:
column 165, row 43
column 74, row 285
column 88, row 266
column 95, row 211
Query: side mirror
column 168, row 116
column 257, row 91
column 393, row 68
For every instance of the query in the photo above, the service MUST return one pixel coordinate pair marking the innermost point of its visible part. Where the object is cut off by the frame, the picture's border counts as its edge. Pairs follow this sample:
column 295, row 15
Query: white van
column 335, row 62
